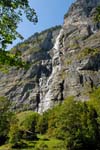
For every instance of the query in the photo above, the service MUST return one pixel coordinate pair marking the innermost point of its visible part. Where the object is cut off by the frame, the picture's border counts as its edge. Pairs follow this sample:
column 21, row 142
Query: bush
column 42, row 124
column 27, row 124
column 88, row 52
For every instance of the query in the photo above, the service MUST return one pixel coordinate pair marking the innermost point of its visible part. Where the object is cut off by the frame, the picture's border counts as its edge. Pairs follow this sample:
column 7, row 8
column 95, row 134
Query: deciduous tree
column 10, row 16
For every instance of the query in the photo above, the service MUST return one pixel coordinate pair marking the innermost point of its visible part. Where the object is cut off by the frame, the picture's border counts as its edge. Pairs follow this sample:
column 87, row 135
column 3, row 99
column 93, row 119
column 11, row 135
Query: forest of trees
column 75, row 123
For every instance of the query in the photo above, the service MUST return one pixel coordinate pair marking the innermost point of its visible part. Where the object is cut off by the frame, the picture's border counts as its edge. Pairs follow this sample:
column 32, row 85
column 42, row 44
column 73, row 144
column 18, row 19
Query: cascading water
column 46, row 100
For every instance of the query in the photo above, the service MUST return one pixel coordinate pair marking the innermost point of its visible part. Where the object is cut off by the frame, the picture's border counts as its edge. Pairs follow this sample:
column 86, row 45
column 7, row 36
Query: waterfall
column 46, row 100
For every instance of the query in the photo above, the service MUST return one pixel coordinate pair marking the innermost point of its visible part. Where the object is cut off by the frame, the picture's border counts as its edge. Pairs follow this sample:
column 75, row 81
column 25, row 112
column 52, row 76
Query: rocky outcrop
column 76, row 56
column 23, row 86
column 63, row 62
column 79, row 46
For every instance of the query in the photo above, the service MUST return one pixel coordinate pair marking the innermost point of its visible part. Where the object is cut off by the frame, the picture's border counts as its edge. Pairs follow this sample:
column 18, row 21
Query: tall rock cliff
column 64, row 61
column 23, row 86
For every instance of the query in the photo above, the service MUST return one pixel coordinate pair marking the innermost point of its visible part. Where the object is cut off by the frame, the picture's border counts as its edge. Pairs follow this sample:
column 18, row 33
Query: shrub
column 42, row 124
column 88, row 52
column 27, row 124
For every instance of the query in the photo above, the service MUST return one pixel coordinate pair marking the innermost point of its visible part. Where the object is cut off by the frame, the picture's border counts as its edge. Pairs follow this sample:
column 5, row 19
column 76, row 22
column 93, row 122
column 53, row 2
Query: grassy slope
column 52, row 144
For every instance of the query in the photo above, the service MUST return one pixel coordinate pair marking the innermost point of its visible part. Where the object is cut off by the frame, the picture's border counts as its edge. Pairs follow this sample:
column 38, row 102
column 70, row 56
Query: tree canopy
column 5, row 118
column 10, row 16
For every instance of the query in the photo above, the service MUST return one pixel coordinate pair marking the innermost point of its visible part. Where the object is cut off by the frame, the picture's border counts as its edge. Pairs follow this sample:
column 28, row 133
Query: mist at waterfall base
column 50, row 13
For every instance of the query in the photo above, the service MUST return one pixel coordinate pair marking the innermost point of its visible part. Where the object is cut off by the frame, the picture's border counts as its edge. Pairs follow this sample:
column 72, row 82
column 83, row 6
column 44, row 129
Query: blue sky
column 50, row 13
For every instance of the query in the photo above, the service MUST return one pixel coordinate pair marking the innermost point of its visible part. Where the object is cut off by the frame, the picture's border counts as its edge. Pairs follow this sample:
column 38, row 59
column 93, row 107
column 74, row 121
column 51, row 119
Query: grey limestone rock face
column 80, row 68
column 23, row 86
column 64, row 61
column 76, row 56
